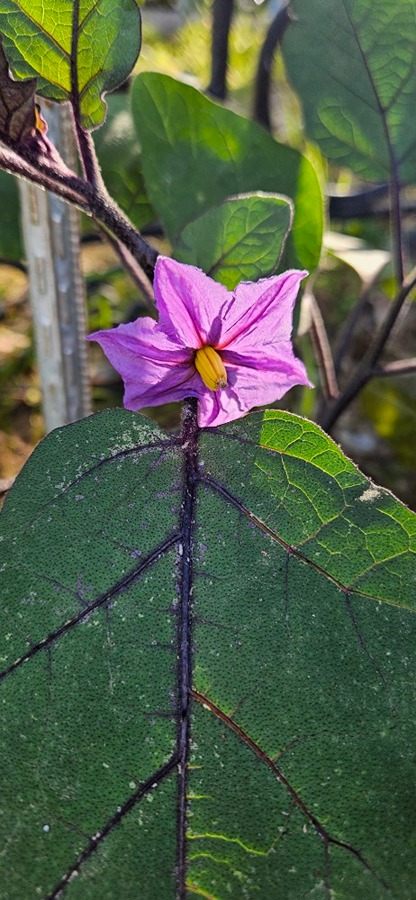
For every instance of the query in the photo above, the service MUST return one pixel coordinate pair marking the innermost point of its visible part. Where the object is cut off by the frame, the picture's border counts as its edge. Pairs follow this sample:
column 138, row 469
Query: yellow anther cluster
column 211, row 368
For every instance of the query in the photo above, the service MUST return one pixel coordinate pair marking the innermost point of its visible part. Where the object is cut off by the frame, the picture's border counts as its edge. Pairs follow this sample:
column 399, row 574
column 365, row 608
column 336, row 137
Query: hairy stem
column 85, row 143
column 26, row 165
column 132, row 267
column 103, row 208
column 91, row 199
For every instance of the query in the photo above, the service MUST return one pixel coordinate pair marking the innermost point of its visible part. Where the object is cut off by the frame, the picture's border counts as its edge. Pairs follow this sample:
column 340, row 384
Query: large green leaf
column 353, row 64
column 78, row 49
column 196, row 154
column 223, row 645
column 242, row 239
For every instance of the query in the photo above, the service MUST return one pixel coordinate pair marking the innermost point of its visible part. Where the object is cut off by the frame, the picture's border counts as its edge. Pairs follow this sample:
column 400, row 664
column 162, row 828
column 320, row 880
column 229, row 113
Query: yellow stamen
column 211, row 368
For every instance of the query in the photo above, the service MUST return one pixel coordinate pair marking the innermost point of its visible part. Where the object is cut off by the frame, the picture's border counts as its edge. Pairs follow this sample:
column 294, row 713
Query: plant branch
column 381, row 339
column 86, row 149
column 350, row 325
column 103, row 208
column 88, row 157
column 26, row 165
column 369, row 364
column 322, row 349
column 89, row 198
column 132, row 267
column 396, row 222
column 398, row 367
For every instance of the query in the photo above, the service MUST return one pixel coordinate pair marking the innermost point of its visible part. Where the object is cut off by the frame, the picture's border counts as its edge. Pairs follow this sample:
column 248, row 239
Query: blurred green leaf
column 119, row 155
column 10, row 238
column 196, row 154
column 282, row 579
column 352, row 63
column 101, row 37
column 240, row 240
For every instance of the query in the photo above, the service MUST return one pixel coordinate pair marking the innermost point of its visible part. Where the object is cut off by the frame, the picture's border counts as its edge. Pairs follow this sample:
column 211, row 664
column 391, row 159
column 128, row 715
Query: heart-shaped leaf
column 242, row 239
column 353, row 65
column 77, row 50
column 196, row 154
column 208, row 654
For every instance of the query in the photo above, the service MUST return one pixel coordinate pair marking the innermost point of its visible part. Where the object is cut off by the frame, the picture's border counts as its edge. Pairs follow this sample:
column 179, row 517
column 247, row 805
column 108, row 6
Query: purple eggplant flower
column 230, row 349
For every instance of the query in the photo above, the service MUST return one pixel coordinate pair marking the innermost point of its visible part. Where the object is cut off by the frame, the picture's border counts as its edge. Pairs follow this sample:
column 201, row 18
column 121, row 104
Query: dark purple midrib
column 190, row 481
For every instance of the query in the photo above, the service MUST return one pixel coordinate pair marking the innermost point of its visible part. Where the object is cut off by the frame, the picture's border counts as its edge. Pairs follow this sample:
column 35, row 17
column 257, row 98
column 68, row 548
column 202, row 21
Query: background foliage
column 379, row 430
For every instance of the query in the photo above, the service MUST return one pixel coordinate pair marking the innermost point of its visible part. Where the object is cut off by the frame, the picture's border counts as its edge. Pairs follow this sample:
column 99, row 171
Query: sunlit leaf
column 212, row 633
column 242, row 239
column 100, row 37
column 196, row 154
column 353, row 65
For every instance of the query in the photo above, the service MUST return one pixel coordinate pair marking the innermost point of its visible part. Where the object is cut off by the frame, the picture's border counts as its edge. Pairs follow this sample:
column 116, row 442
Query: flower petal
column 189, row 303
column 254, row 380
column 150, row 364
column 216, row 408
column 177, row 384
column 251, row 328
column 261, row 312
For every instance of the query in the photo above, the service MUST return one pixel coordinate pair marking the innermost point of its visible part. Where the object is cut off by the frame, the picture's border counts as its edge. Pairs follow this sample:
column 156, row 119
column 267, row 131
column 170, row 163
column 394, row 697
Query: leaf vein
column 96, row 604
column 297, row 799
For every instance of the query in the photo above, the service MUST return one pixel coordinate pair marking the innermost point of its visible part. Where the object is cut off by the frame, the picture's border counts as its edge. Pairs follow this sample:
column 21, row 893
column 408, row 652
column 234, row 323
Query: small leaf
column 196, row 154
column 212, row 633
column 77, row 50
column 352, row 63
column 240, row 240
